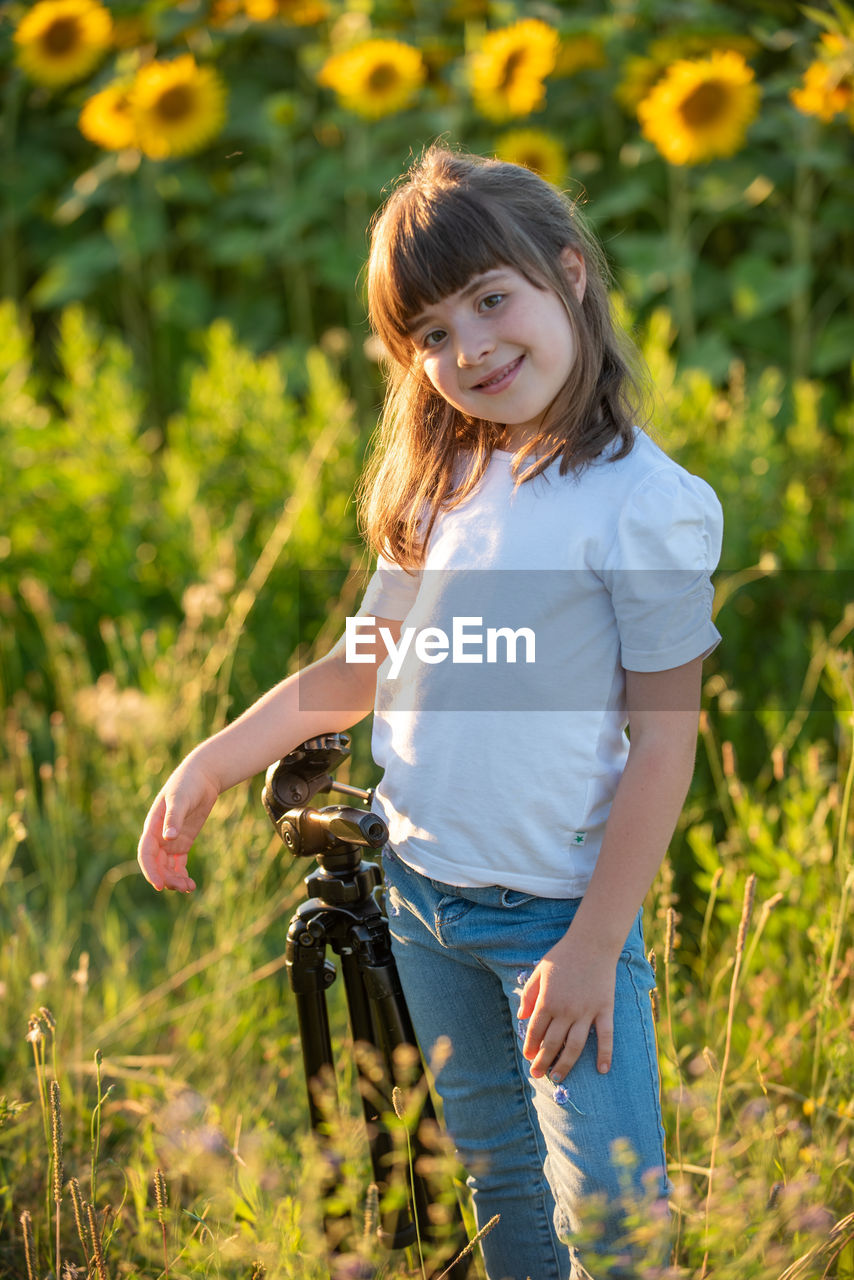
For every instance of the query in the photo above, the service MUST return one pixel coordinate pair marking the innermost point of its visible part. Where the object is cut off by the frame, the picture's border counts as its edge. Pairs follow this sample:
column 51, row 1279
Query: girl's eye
column 491, row 300
column 433, row 338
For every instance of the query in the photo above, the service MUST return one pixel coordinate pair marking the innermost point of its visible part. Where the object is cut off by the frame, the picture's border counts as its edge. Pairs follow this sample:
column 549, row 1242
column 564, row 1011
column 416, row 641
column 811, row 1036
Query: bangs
column 431, row 248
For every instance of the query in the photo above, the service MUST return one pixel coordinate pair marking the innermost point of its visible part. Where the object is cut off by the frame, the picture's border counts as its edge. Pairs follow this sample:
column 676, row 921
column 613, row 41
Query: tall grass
column 152, row 1108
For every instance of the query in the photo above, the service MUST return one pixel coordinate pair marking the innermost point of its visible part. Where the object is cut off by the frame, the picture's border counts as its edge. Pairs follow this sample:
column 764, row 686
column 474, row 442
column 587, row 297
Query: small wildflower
column 35, row 1031
column 38, row 981
column 562, row 1098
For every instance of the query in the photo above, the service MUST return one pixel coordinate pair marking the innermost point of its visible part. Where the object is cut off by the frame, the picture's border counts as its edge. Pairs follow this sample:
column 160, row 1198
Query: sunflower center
column 512, row 66
column 704, row 105
column 62, row 34
column 175, row 103
column 383, row 77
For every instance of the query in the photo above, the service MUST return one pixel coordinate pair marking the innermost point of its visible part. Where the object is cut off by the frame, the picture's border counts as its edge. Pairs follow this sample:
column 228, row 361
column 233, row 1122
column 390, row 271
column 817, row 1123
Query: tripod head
column 333, row 835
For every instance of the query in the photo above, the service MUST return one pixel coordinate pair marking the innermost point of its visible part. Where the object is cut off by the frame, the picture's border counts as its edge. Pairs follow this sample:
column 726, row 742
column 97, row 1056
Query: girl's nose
column 473, row 347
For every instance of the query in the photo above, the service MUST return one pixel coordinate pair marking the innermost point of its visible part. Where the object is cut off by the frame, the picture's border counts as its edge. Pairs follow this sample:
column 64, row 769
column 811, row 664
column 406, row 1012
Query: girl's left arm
column 572, row 988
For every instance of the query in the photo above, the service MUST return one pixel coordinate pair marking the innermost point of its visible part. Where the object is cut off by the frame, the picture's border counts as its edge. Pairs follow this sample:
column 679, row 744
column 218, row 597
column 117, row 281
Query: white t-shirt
column 500, row 771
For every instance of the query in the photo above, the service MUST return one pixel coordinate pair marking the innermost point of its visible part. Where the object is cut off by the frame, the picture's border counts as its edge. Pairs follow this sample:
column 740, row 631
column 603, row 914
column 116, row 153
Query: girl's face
column 500, row 348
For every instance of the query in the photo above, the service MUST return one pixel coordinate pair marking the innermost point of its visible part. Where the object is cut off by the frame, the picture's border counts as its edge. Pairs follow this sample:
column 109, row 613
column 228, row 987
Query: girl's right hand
column 174, row 820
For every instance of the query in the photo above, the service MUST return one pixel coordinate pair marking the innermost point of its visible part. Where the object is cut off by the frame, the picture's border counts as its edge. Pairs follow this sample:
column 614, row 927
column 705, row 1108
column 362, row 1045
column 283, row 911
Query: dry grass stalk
column 160, row 1197
column 744, row 925
column 484, row 1231
column 56, row 1153
column 29, row 1247
column 372, row 1210
column 78, row 1205
column 746, row 913
column 669, row 943
column 669, row 935
column 97, row 1249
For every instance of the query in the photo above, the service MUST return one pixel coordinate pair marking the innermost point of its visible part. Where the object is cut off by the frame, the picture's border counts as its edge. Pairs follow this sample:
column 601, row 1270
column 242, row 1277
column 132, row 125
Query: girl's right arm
column 271, row 728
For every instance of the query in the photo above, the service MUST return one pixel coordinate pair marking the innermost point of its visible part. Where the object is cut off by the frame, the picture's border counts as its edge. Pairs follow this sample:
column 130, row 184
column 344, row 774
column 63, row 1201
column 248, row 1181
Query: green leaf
column 834, row 346
column 760, row 286
column 624, row 197
column 75, row 272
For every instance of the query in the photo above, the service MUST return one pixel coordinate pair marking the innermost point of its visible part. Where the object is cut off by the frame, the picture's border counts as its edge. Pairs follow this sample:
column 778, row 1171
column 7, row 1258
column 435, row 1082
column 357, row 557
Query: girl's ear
column 576, row 269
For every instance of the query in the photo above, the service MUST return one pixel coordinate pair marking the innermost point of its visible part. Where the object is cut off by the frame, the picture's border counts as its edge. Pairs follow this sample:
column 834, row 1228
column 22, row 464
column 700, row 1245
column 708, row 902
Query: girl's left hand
column 566, row 995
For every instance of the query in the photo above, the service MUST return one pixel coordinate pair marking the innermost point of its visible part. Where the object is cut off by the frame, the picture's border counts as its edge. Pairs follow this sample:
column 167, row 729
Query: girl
column 512, row 482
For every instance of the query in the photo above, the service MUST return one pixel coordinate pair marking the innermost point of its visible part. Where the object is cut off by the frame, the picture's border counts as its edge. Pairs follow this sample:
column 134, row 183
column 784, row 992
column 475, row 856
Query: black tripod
column 343, row 913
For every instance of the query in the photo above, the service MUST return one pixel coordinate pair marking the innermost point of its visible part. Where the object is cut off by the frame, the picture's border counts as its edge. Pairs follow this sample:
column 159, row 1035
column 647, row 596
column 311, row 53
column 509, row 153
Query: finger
column 173, row 818
column 530, row 992
column 148, row 858
column 549, row 1049
column 175, row 875
column 604, row 1043
column 569, row 1053
column 537, row 1028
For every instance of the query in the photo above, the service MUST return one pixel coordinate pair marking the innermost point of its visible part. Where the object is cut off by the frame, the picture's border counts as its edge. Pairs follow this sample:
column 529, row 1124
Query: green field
column 186, row 398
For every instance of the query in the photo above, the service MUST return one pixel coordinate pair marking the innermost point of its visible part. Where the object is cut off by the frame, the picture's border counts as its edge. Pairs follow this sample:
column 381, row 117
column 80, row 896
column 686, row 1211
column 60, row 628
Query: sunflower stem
column 682, row 255
column 11, row 281
column 800, row 231
column 292, row 259
column 357, row 214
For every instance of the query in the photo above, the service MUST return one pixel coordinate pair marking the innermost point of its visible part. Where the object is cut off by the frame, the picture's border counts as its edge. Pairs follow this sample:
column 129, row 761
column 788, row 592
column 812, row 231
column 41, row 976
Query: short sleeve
column 659, row 568
column 391, row 591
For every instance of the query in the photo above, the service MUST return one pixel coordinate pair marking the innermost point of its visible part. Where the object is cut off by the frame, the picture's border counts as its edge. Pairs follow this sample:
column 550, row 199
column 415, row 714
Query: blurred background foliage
column 169, row 164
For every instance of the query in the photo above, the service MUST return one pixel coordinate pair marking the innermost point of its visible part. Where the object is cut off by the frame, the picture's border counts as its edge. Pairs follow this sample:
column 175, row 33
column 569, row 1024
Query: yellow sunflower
column 508, row 72
column 107, row 119
column 178, row 107
column 374, row 78
column 60, row 41
column 828, row 84
column 640, row 72
column 302, row 13
column 536, row 150
column 700, row 109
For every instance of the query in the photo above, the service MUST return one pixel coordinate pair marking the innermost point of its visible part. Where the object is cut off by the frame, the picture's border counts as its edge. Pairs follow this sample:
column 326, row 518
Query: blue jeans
column 553, row 1161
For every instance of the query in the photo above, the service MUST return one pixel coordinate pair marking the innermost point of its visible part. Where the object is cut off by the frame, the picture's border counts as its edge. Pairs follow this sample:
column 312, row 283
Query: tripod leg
column 398, row 1229
column 309, row 976
column 391, row 1029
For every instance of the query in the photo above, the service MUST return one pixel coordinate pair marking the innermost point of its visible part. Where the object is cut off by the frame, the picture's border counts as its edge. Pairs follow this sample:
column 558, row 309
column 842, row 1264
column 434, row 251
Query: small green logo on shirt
column 579, row 837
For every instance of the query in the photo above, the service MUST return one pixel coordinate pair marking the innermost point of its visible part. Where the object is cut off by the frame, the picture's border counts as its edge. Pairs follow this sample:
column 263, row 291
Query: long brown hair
column 455, row 216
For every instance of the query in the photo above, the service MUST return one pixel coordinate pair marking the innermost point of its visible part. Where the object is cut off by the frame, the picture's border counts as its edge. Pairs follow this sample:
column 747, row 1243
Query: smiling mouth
column 500, row 377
